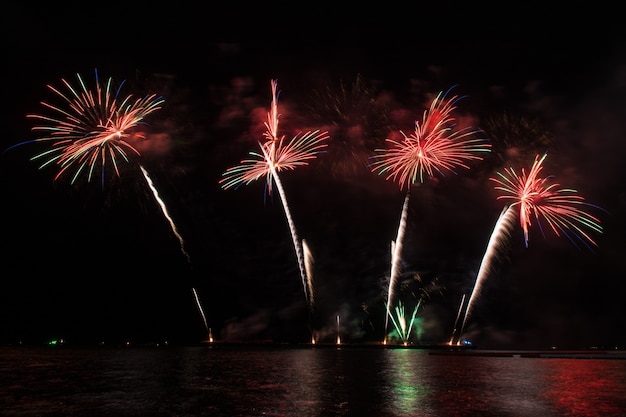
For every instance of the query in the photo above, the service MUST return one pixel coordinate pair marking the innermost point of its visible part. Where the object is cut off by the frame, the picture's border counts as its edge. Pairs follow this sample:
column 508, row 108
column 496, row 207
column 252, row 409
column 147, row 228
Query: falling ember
column 210, row 335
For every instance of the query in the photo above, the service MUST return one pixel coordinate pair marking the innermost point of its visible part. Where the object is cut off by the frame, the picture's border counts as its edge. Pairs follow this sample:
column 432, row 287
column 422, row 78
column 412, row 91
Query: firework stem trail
column 436, row 145
column 96, row 129
column 456, row 321
column 530, row 196
column 308, row 263
column 396, row 258
column 178, row 236
column 292, row 226
column 201, row 310
column 165, row 213
column 277, row 156
column 501, row 232
column 338, row 331
column 180, row 240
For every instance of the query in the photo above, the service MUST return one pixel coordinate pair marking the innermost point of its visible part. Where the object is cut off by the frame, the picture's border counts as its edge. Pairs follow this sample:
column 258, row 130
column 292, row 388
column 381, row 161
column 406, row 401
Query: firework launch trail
column 434, row 148
column 530, row 196
column 277, row 156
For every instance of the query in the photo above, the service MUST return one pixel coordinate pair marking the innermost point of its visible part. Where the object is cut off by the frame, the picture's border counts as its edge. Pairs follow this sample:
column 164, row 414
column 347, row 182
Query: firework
column 308, row 264
column 509, row 131
column 562, row 209
column 165, row 212
column 359, row 120
column 456, row 321
column 531, row 196
column 277, row 155
column 500, row 234
column 432, row 149
column 92, row 128
column 95, row 128
column 403, row 325
column 201, row 310
column 338, row 331
column 396, row 250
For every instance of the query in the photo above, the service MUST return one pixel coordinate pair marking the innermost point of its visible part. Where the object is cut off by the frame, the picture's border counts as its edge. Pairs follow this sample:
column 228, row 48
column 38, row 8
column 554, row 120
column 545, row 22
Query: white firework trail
column 501, row 231
column 338, row 331
column 456, row 321
column 178, row 236
column 292, row 227
column 396, row 252
column 201, row 310
column 165, row 213
column 308, row 264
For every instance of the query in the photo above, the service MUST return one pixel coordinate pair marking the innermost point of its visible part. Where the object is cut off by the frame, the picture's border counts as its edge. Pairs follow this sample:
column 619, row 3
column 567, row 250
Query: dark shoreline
column 435, row 349
column 447, row 350
column 442, row 350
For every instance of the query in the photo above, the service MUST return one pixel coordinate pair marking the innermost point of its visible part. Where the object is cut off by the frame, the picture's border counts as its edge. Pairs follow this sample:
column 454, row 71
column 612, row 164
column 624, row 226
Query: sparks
column 434, row 148
column 277, row 156
column 562, row 209
column 94, row 128
column 528, row 196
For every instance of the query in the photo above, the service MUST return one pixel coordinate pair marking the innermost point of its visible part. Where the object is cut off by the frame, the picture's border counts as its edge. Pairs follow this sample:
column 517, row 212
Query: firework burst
column 360, row 123
column 92, row 128
column 434, row 148
column 530, row 196
column 514, row 137
column 535, row 197
column 277, row 155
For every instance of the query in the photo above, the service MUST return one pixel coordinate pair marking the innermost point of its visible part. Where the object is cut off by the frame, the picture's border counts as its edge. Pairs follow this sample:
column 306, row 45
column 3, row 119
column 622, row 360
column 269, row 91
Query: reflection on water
column 407, row 384
column 462, row 385
column 575, row 387
column 300, row 382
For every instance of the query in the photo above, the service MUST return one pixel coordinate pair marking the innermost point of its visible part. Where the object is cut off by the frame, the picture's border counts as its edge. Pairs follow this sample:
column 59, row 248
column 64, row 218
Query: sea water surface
column 305, row 381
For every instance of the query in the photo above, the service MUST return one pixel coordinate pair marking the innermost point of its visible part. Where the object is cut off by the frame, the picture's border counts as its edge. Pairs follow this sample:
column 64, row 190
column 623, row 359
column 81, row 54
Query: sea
column 307, row 381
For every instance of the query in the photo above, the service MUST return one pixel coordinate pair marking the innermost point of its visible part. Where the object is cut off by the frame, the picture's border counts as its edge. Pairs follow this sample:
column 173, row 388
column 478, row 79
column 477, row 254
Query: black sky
column 89, row 264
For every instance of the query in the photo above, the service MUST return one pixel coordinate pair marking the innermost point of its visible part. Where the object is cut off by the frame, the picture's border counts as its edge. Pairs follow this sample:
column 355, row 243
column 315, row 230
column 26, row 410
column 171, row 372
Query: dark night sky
column 91, row 264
